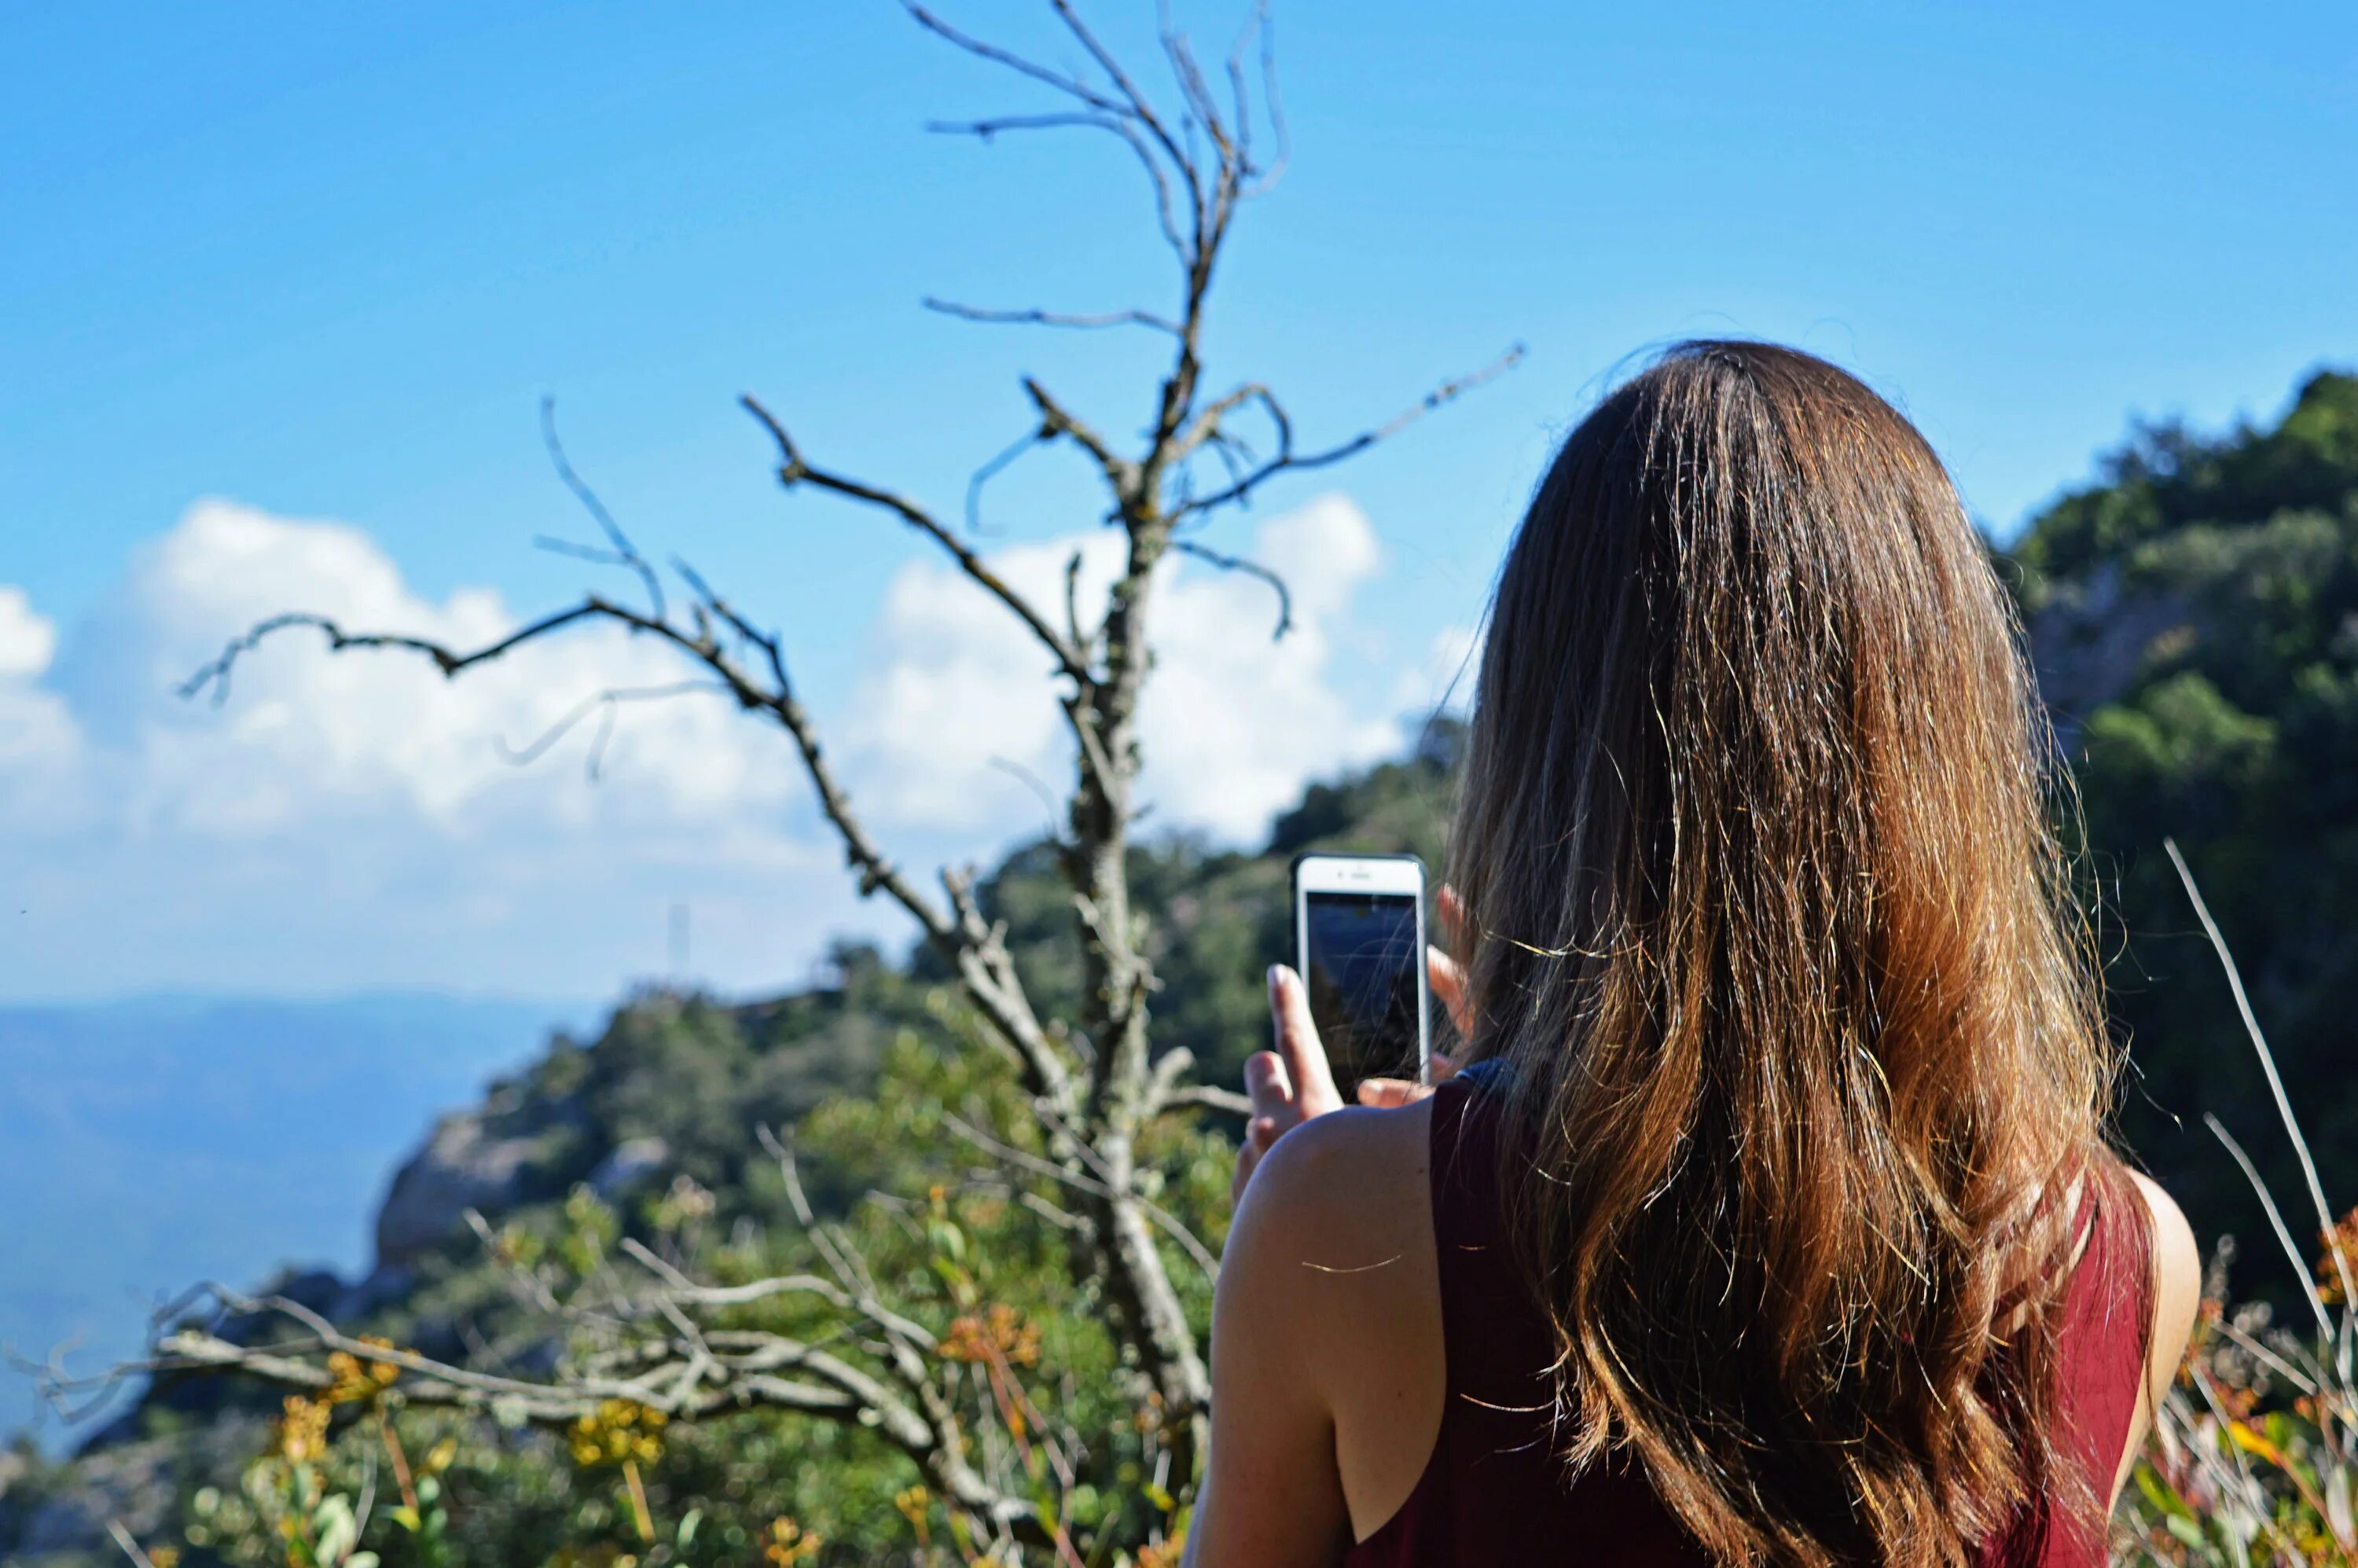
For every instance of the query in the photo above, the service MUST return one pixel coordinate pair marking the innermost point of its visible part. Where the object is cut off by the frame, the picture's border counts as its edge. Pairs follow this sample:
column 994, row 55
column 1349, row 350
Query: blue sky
column 285, row 267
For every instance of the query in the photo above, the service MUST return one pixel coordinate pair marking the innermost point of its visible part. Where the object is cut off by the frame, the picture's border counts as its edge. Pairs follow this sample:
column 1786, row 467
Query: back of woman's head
column 1765, row 910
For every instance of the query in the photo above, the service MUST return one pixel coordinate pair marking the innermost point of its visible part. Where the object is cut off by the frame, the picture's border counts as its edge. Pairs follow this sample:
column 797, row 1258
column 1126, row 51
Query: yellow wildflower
column 976, row 1336
column 2343, row 1239
column 300, row 1437
column 789, row 1544
column 359, row 1379
column 617, row 1433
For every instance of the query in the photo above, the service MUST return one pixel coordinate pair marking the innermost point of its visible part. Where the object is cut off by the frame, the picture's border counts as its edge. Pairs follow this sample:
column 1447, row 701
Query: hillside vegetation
column 2195, row 622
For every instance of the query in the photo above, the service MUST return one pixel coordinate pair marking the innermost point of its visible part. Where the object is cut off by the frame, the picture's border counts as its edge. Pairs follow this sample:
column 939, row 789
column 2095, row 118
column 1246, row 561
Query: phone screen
column 1360, row 953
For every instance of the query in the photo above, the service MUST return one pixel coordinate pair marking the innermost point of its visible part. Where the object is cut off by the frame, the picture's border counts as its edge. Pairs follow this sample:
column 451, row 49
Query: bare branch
column 1286, row 461
column 623, row 553
column 1260, row 179
column 1129, row 117
column 1229, row 563
column 1053, row 318
column 776, row 700
column 993, row 469
column 1166, row 216
column 131, row 1549
column 1121, row 474
column 216, row 674
column 1141, row 111
column 1170, row 1224
column 1084, row 639
column 985, row 129
column 1040, row 791
column 1070, row 86
column 1208, row 424
column 793, row 470
column 1173, row 1067
column 1228, row 1102
column 711, row 1373
column 983, row 963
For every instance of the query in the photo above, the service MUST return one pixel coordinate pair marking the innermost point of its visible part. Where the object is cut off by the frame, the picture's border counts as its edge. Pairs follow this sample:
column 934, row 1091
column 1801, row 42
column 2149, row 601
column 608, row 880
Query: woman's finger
column 1446, row 976
column 1449, row 910
column 1313, row 1078
column 1260, row 1133
column 1267, row 1084
column 1390, row 1093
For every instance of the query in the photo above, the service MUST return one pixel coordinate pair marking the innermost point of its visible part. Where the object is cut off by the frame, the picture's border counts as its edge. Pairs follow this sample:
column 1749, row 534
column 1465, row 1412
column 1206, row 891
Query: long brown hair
column 1766, row 911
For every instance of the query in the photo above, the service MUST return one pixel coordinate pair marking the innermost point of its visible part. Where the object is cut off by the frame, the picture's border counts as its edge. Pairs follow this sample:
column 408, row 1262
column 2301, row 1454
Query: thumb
column 1298, row 1045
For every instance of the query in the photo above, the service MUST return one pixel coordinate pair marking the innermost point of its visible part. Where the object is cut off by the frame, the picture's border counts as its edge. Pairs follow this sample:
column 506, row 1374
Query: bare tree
column 1094, row 1081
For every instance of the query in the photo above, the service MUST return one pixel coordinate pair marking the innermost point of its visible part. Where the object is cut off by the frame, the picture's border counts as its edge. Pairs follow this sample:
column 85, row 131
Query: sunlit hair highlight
column 1765, row 909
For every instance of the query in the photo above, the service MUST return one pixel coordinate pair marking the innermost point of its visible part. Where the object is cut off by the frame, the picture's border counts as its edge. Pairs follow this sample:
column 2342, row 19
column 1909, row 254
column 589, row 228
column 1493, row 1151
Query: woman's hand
column 1287, row 1086
column 1295, row 1082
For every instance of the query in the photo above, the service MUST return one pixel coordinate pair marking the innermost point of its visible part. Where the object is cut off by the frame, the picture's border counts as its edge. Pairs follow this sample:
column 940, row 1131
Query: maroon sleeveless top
column 1493, row 1494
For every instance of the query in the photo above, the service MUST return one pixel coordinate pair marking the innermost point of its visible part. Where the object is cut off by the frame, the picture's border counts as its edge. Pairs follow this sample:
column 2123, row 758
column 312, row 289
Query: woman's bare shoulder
column 2177, row 1277
column 1335, row 1235
column 2177, row 1297
column 1332, row 1268
column 1351, row 1179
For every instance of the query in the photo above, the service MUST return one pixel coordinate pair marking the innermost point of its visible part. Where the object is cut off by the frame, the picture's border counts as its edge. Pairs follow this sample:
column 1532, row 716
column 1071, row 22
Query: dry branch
column 1093, row 1080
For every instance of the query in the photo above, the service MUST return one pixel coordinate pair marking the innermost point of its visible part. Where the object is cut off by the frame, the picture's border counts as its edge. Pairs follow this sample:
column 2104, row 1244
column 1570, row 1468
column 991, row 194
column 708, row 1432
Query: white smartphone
column 1359, row 941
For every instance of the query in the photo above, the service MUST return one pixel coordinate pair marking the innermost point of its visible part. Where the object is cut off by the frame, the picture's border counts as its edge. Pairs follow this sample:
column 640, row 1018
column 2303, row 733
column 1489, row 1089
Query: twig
column 1084, row 322
column 1229, row 563
column 2276, row 1088
column 1286, row 461
column 991, row 469
column 793, row 470
column 2276, row 1222
column 1227, row 1101
column 606, row 700
column 1170, row 1223
column 123, row 1539
column 624, row 553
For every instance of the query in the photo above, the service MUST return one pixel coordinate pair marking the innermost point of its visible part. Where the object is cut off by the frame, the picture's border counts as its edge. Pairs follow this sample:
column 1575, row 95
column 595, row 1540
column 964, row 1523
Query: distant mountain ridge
column 154, row 1141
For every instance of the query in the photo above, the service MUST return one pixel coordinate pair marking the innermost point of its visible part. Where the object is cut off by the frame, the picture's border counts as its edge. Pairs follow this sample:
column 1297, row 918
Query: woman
column 1769, row 1217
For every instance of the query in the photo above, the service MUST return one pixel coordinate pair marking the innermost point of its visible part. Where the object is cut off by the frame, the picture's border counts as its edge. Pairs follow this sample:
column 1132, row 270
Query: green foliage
column 876, row 1075
column 2166, row 478
column 2196, row 617
column 951, row 1239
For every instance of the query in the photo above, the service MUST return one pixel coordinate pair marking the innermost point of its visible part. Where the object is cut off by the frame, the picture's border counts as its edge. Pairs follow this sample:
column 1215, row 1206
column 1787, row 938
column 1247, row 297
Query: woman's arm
column 1271, row 1497
column 1272, row 1494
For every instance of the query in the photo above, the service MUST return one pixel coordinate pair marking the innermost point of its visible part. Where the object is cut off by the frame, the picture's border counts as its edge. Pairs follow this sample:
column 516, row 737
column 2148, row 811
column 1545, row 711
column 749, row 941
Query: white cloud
column 1233, row 724
column 27, row 639
column 40, row 745
column 351, row 820
column 301, row 735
